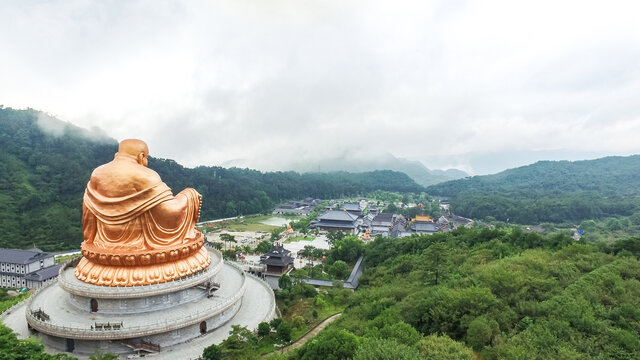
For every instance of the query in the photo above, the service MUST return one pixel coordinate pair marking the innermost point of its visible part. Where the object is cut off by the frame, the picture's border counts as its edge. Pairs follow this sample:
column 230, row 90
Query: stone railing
column 214, row 250
column 161, row 326
column 30, row 300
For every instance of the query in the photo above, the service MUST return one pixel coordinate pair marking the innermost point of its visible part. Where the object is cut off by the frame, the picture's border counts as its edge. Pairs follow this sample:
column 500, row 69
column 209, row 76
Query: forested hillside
column 549, row 191
column 43, row 176
column 503, row 293
column 42, row 180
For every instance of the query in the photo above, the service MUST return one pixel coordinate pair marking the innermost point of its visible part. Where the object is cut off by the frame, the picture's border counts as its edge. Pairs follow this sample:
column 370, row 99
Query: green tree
column 263, row 247
column 401, row 332
column 264, row 329
column 330, row 344
column 339, row 269
column 284, row 332
column 285, row 282
column 99, row 354
column 481, row 332
column 385, row 349
column 348, row 249
column 333, row 236
column 228, row 238
column 212, row 352
column 12, row 348
column 240, row 339
column 275, row 322
column 307, row 251
column 437, row 262
column 434, row 347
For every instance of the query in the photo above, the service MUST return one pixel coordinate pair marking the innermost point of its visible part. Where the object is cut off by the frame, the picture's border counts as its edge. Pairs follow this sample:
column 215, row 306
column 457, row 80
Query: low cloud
column 283, row 82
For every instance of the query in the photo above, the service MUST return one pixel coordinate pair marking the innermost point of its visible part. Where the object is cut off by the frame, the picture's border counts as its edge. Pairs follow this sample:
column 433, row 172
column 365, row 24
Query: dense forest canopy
column 43, row 175
column 472, row 293
column 549, row 191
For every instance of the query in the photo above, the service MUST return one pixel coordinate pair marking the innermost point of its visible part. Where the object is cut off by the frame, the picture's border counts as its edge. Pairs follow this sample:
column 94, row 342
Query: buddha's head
column 135, row 149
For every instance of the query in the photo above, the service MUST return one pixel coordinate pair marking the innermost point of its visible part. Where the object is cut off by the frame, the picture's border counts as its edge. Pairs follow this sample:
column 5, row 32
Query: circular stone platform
column 151, row 318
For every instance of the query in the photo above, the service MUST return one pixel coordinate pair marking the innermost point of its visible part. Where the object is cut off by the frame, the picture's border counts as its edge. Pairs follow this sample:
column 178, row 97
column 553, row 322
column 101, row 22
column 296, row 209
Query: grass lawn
column 251, row 227
column 299, row 238
column 7, row 301
column 251, row 223
column 64, row 259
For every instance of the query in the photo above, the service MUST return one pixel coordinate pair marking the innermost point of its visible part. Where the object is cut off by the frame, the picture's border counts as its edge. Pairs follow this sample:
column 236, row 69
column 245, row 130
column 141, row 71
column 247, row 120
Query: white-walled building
column 26, row 268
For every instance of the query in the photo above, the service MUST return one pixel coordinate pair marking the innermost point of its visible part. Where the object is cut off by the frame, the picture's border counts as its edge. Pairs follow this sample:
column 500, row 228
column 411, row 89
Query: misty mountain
column 453, row 174
column 549, row 191
column 362, row 161
column 415, row 169
column 46, row 163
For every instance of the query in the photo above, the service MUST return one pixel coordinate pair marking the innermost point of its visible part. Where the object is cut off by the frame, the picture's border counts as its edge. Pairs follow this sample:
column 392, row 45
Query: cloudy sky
column 476, row 85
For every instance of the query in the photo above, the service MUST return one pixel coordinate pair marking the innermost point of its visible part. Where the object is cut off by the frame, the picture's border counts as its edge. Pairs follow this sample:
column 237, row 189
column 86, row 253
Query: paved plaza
column 256, row 304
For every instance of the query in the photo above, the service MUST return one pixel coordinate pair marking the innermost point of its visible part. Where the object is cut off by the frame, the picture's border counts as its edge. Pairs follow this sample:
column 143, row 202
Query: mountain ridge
column 357, row 161
column 552, row 191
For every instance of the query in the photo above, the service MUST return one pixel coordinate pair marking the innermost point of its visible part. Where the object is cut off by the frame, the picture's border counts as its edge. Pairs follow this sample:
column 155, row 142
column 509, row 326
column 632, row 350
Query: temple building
column 29, row 269
column 278, row 260
column 381, row 224
column 336, row 220
column 423, row 224
column 353, row 208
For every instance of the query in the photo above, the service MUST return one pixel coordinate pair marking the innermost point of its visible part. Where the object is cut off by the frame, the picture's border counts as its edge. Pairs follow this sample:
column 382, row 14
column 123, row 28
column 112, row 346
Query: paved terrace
column 258, row 305
column 65, row 318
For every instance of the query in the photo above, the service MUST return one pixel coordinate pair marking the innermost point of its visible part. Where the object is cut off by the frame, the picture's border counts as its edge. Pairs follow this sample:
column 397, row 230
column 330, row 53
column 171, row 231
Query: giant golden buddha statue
column 135, row 231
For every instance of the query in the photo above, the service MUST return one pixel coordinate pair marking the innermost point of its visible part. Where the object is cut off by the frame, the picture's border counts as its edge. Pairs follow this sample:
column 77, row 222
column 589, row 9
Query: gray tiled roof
column 425, row 227
column 335, row 224
column 383, row 219
column 44, row 274
column 351, row 206
column 22, row 257
column 277, row 256
column 338, row 215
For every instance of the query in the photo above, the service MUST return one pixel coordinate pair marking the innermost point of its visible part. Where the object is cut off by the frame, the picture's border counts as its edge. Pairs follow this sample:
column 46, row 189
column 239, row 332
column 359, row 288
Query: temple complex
column 145, row 283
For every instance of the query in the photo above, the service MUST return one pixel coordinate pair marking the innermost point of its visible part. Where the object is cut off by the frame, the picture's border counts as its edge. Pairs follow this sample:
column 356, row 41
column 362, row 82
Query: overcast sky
column 476, row 85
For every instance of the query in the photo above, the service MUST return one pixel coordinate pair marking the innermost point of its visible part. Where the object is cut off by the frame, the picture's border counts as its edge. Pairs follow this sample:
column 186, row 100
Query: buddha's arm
column 171, row 214
column 89, row 224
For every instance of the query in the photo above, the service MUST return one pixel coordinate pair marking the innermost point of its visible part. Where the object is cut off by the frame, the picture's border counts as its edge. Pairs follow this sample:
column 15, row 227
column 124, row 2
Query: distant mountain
column 358, row 162
column 453, row 174
column 554, row 191
column 45, row 165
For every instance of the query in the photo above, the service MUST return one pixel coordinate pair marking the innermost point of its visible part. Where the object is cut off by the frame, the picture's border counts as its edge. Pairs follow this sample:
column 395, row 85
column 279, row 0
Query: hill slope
column 45, row 164
column 552, row 191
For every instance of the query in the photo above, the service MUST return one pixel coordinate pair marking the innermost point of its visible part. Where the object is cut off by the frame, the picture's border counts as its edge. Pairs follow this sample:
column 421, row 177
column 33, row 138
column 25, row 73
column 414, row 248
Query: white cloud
column 439, row 81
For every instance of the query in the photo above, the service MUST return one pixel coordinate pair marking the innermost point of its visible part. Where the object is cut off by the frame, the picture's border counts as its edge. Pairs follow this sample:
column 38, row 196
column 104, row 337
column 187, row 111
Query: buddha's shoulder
column 121, row 172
